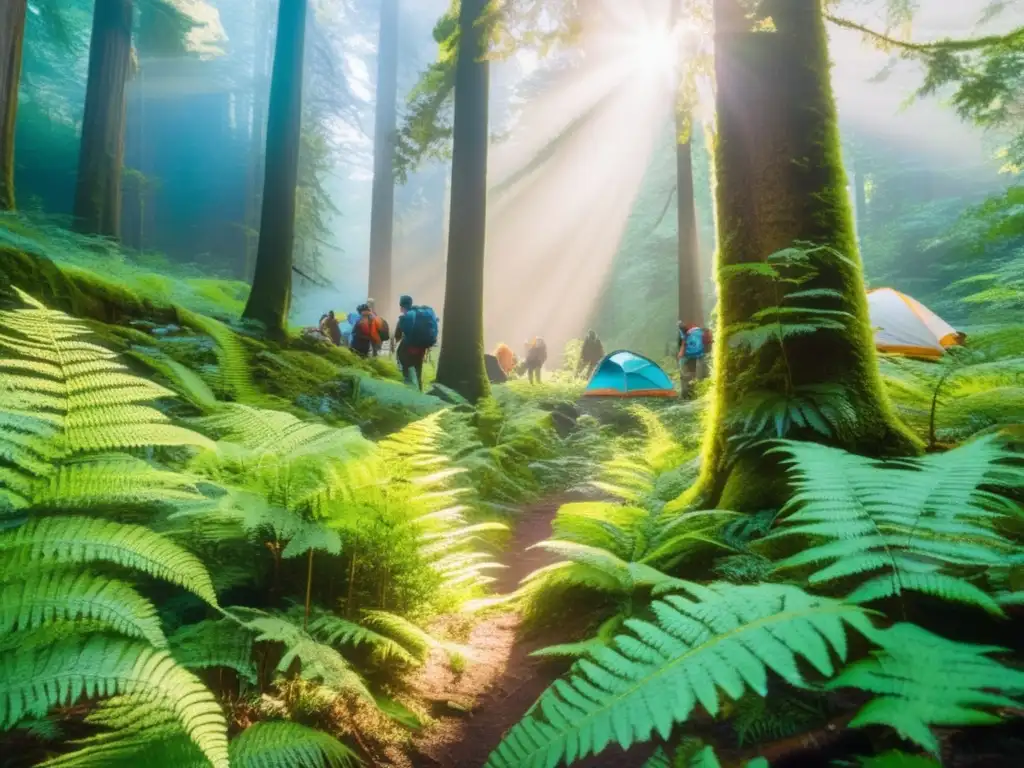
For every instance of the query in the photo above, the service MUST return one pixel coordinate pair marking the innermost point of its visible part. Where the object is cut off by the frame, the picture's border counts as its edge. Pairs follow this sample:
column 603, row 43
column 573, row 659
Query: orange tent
column 903, row 325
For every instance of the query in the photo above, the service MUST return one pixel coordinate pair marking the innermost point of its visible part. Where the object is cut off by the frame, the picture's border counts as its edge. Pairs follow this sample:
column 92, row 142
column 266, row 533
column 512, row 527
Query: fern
column 895, row 759
column 727, row 639
column 914, row 520
column 823, row 409
column 288, row 745
column 33, row 681
column 235, row 374
column 80, row 540
column 46, row 596
column 337, row 631
column 924, row 680
column 222, row 643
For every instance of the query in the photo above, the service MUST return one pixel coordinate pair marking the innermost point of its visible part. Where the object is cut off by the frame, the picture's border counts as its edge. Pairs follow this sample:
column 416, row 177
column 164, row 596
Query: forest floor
column 500, row 680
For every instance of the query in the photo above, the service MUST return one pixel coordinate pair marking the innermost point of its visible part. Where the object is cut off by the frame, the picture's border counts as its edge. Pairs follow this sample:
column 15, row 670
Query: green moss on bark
column 780, row 180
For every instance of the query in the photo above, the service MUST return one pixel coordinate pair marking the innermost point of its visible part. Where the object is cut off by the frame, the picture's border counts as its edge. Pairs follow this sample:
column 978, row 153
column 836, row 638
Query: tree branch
column 937, row 45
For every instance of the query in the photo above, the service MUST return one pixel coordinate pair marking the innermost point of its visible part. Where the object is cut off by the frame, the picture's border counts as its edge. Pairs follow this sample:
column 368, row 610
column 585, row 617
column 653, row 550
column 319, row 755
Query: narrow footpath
column 500, row 680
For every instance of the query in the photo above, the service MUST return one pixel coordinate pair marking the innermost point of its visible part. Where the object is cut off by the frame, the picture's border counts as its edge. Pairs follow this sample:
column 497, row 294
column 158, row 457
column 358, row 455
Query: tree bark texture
column 98, row 188
column 461, row 363
column 691, row 294
column 780, row 179
column 258, row 137
column 270, row 296
column 12, row 38
column 382, row 212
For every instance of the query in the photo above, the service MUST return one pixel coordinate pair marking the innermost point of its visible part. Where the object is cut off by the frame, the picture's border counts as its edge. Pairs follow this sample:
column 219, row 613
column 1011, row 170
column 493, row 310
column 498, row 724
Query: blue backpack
column 423, row 333
column 693, row 344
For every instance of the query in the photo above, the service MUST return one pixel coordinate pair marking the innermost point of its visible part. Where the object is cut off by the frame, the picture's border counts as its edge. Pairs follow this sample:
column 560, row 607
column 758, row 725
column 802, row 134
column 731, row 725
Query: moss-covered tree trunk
column 98, row 188
column 780, row 179
column 691, row 299
column 271, row 291
column 12, row 37
column 461, row 363
column 382, row 211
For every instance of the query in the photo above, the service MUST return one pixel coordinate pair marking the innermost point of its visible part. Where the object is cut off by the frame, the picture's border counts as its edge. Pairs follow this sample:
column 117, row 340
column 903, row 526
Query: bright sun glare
column 653, row 49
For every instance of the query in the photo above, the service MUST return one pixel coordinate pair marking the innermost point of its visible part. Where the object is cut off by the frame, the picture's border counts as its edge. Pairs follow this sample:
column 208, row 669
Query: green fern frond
column 317, row 661
column 235, row 374
column 414, row 639
column 33, row 681
column 281, row 744
column 46, row 596
column 823, row 409
column 728, row 639
column 221, row 643
column 334, row 630
column 186, row 382
column 923, row 680
column 79, row 540
column 896, row 759
column 626, row 576
column 913, row 520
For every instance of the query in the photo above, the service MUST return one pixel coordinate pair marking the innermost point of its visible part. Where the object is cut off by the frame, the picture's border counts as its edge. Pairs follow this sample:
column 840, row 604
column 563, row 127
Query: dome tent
column 627, row 374
column 903, row 325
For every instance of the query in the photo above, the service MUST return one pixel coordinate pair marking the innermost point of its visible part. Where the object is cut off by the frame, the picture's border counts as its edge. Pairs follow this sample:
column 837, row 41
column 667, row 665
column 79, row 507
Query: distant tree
column 270, row 296
column 461, row 362
column 382, row 212
column 780, row 182
column 12, row 37
column 98, row 188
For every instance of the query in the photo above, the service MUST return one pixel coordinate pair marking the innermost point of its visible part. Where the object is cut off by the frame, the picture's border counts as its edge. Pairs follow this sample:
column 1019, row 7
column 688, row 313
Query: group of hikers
column 415, row 334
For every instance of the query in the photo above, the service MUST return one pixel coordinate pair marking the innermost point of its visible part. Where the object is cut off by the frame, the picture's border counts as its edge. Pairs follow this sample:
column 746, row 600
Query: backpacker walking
column 694, row 347
column 415, row 333
column 536, row 356
column 366, row 333
column 591, row 354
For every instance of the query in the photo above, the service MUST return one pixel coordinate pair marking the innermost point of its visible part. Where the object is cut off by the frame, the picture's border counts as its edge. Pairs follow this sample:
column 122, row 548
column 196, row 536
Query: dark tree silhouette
column 271, row 291
column 12, row 38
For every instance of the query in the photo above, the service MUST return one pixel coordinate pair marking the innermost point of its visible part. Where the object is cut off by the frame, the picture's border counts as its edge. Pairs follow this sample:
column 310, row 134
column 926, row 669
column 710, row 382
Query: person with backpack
column 694, row 346
column 366, row 333
column 536, row 356
column 383, row 329
column 416, row 332
column 331, row 328
column 591, row 354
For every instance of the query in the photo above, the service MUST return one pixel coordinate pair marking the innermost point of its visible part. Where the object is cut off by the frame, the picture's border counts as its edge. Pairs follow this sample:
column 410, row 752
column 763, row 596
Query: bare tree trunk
column 461, row 362
column 12, row 37
column 98, row 190
column 270, row 296
column 258, row 137
column 382, row 212
column 691, row 295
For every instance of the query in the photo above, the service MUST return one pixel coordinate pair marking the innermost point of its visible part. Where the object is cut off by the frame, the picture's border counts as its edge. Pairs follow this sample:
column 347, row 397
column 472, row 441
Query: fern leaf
column 923, row 680
column 57, row 595
column 66, row 540
column 337, row 631
column 896, row 759
column 33, row 681
column 281, row 744
column 727, row 639
column 209, row 644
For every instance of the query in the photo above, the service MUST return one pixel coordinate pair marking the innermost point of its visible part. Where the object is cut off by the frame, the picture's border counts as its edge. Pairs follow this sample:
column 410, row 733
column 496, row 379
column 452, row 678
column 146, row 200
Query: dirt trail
column 500, row 681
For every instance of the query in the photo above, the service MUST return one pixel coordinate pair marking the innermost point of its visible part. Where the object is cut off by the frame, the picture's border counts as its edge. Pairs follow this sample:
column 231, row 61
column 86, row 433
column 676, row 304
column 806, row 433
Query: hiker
column 416, row 332
column 331, row 328
column 365, row 333
column 506, row 357
column 383, row 329
column 591, row 354
column 694, row 347
column 536, row 356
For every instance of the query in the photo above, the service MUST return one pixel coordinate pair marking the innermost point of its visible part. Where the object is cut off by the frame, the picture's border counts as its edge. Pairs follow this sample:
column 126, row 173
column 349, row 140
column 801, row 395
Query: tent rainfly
column 627, row 374
column 905, row 326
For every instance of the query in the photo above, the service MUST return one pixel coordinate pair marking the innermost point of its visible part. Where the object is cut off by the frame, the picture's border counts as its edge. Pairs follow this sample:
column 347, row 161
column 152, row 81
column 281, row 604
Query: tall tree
column 258, row 138
column 271, row 291
column 382, row 212
column 780, row 181
column 12, row 37
column 461, row 363
column 98, row 189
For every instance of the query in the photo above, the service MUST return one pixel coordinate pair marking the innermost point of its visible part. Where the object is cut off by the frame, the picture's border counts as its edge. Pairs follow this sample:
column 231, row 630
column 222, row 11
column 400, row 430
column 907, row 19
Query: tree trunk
column 12, row 37
column 382, row 212
column 461, row 363
column 271, row 291
column 257, row 145
column 780, row 180
column 98, row 189
column 691, row 295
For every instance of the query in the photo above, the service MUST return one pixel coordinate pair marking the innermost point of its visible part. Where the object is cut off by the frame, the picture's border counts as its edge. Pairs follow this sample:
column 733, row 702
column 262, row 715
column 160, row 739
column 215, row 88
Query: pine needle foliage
column 922, row 525
column 726, row 637
column 922, row 680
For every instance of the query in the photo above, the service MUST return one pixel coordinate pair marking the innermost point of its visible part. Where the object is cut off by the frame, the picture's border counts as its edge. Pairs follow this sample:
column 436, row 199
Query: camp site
column 511, row 383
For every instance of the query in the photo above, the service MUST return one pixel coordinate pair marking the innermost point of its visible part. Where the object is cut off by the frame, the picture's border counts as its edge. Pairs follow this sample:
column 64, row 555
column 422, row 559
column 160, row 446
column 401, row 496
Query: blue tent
column 627, row 374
